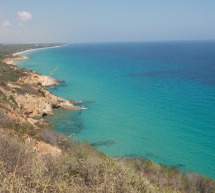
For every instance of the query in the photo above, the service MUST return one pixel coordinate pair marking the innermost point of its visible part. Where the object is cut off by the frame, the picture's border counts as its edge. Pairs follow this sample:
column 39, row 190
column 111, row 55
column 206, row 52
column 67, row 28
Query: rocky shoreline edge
column 30, row 95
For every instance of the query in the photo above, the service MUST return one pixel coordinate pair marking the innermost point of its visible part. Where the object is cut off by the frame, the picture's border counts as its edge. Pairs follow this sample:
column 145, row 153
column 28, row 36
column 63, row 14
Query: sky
column 83, row 21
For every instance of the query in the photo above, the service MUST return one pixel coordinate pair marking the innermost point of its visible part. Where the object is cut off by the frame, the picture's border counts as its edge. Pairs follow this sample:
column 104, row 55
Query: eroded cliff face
column 37, row 106
column 42, row 102
column 29, row 98
column 23, row 97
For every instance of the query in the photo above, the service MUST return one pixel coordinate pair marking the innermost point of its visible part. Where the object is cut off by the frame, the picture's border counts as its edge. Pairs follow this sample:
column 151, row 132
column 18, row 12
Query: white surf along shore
column 33, row 49
column 17, row 56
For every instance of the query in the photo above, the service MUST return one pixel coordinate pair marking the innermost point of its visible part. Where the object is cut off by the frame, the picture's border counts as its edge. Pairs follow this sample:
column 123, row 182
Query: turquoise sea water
column 152, row 100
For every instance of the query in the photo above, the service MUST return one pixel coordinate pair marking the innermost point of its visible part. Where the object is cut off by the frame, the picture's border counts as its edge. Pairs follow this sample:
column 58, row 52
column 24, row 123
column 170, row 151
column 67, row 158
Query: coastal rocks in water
column 75, row 102
column 62, row 83
column 24, row 97
column 42, row 103
column 34, row 106
column 102, row 143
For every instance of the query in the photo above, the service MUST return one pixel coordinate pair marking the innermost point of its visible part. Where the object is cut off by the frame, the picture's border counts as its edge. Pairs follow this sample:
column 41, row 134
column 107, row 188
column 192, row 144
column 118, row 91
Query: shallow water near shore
column 151, row 100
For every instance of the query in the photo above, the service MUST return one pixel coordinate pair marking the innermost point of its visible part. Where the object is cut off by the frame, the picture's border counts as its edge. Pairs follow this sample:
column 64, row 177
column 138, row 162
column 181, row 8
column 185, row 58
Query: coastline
column 64, row 155
column 34, row 49
column 36, row 101
column 14, row 59
column 17, row 55
column 46, row 81
column 60, row 90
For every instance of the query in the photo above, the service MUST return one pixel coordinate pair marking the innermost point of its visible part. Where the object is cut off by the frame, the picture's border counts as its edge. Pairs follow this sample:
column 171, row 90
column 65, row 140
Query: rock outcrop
column 43, row 102
column 37, row 79
column 31, row 98
column 37, row 106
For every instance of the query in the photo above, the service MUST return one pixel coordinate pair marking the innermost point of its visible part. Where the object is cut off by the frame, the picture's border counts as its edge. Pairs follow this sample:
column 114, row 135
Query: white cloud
column 24, row 15
column 5, row 24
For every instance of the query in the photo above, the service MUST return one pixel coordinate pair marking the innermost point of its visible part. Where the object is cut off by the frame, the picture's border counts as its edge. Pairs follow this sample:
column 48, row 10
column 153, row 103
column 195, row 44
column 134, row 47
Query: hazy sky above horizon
column 28, row 21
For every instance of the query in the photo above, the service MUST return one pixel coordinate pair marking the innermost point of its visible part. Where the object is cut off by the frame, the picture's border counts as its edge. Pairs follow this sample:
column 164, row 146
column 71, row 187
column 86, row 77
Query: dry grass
column 82, row 169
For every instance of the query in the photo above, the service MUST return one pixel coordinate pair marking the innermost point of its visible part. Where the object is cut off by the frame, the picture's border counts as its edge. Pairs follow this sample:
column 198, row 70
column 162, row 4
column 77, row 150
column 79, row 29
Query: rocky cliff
column 27, row 97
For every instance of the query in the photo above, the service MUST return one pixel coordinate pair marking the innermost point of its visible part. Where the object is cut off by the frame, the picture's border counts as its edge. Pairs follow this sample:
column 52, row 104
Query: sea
column 151, row 100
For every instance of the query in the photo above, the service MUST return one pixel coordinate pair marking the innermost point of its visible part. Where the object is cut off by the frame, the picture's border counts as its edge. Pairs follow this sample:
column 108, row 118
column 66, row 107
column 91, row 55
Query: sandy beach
column 12, row 60
column 17, row 55
column 33, row 49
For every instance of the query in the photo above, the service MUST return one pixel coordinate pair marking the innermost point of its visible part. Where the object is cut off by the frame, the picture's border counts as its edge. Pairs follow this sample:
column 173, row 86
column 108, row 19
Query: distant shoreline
column 34, row 49
column 17, row 55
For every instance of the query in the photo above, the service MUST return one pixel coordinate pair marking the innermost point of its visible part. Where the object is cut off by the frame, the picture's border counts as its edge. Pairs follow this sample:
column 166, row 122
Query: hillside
column 34, row 158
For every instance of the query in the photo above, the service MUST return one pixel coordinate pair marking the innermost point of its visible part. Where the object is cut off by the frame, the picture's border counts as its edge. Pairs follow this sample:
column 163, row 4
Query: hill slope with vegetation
column 34, row 158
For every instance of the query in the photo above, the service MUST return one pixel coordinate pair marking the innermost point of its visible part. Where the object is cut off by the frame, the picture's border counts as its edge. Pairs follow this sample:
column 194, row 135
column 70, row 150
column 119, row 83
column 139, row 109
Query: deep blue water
column 153, row 100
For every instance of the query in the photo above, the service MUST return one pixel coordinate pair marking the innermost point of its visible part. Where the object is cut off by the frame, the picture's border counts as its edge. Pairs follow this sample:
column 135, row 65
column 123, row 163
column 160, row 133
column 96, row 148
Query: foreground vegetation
column 78, row 168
